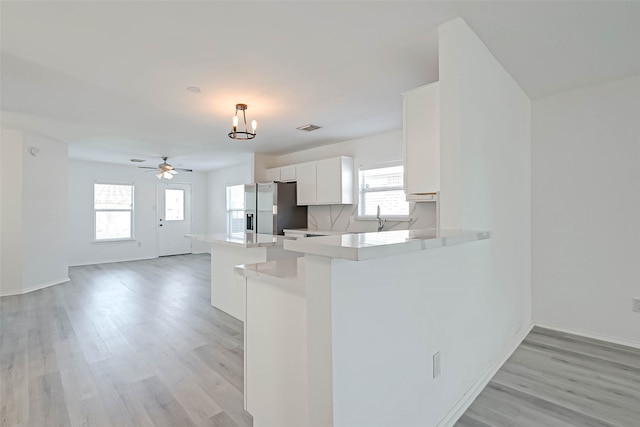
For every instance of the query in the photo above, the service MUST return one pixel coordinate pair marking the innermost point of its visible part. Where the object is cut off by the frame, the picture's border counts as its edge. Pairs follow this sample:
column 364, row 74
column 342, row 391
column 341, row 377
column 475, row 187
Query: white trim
column 36, row 287
column 127, row 239
column 585, row 334
column 380, row 165
column 112, row 261
column 472, row 393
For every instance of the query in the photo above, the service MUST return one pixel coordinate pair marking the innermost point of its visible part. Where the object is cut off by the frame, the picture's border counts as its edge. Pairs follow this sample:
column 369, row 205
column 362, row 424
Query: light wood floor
column 138, row 344
column 122, row 344
column 558, row 380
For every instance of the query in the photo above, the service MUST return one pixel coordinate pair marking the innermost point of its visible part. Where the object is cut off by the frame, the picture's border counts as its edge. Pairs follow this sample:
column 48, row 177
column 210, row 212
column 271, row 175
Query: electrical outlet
column 437, row 369
column 636, row 305
column 139, row 244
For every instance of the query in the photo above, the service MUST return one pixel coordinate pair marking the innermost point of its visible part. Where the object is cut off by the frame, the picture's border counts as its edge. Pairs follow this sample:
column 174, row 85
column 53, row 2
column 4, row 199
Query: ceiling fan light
column 159, row 175
column 168, row 175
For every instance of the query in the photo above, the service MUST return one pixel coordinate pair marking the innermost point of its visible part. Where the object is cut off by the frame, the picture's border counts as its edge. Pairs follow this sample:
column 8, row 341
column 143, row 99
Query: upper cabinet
column 421, row 135
column 272, row 174
column 288, row 173
column 325, row 182
column 306, row 188
column 283, row 174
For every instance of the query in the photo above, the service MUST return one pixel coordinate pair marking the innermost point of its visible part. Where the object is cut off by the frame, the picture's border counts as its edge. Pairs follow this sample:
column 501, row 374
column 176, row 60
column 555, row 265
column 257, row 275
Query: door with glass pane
column 174, row 219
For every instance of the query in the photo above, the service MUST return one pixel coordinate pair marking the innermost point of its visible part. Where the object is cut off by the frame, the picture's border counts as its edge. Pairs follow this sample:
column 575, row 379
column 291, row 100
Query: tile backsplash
column 337, row 218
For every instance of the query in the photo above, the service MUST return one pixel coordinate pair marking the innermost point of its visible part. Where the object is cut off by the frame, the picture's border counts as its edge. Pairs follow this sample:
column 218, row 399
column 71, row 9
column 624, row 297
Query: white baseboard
column 110, row 261
column 470, row 395
column 35, row 288
column 600, row 337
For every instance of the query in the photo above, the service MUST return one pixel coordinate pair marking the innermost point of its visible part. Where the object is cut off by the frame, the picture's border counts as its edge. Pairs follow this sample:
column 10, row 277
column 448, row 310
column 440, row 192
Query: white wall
column 33, row 214
column 367, row 151
column 10, row 212
column 586, row 209
column 218, row 180
column 485, row 132
column 82, row 176
column 44, row 212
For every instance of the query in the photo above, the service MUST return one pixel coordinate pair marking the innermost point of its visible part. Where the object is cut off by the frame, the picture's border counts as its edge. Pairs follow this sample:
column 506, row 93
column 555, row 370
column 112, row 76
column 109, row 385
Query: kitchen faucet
column 381, row 222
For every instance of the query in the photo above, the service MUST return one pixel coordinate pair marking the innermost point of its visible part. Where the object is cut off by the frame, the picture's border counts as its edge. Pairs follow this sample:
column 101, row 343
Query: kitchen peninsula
column 345, row 335
column 228, row 250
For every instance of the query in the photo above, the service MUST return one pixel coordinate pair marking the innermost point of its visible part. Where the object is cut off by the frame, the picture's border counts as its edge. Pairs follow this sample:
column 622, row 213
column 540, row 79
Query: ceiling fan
column 165, row 170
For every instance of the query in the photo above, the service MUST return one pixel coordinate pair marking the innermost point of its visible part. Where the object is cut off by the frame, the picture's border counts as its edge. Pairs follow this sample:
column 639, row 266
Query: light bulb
column 168, row 175
column 235, row 122
column 254, row 125
column 160, row 175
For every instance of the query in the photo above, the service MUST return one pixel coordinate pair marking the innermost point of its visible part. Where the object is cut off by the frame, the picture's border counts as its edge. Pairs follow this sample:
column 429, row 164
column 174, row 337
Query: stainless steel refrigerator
column 271, row 207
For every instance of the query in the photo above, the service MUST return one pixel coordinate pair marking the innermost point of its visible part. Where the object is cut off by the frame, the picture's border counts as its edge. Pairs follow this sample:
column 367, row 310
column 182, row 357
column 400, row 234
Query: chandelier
column 242, row 135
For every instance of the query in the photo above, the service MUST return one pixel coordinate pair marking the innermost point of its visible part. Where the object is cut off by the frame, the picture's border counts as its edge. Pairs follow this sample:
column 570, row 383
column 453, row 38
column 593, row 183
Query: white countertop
column 320, row 232
column 247, row 240
column 363, row 246
column 288, row 273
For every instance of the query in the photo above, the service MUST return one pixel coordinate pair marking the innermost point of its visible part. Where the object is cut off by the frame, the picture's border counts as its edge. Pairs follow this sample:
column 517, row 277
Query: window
column 173, row 205
column 235, row 209
column 383, row 186
column 113, row 206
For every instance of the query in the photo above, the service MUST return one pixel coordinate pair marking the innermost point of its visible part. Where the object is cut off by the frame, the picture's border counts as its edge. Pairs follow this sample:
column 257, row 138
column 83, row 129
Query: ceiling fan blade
column 148, row 167
column 184, row 170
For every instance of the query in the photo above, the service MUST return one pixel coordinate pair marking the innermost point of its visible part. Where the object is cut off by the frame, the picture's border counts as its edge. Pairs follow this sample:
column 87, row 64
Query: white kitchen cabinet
column 272, row 174
column 421, row 135
column 335, row 181
column 288, row 173
column 325, row 182
column 306, row 188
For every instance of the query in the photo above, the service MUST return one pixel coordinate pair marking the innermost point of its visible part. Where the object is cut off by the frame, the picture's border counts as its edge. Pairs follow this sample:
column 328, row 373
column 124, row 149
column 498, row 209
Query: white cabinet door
column 273, row 174
column 288, row 173
column 421, row 134
column 306, row 188
column 329, row 177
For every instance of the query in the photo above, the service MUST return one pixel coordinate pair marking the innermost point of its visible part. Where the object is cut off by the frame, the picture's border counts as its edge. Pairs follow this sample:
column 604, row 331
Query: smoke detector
column 308, row 128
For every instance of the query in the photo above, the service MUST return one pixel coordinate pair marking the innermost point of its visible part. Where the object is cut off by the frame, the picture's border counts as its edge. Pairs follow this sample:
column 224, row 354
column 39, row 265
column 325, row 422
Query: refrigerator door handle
column 249, row 222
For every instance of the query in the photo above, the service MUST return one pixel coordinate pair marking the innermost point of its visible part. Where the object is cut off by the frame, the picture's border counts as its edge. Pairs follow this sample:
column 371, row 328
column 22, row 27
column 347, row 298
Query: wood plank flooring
column 138, row 344
column 123, row 344
column 560, row 380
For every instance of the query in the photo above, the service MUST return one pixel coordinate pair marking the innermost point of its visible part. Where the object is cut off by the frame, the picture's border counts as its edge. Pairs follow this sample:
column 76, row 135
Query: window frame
column 131, row 210
column 362, row 191
column 230, row 211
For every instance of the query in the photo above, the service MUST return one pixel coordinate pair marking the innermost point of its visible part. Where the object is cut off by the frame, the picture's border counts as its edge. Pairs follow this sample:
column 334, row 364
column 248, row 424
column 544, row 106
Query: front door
column 174, row 219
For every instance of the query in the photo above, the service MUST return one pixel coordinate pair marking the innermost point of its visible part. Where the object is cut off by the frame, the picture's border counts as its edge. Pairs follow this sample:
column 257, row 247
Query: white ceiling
column 110, row 78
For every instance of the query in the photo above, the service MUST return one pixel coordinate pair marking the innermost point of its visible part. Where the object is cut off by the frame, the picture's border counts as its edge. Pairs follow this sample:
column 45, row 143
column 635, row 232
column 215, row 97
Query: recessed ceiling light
column 308, row 128
column 194, row 89
column 137, row 160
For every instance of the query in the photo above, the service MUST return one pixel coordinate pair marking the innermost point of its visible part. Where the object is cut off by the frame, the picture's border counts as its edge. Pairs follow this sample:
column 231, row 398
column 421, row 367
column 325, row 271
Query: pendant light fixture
column 242, row 135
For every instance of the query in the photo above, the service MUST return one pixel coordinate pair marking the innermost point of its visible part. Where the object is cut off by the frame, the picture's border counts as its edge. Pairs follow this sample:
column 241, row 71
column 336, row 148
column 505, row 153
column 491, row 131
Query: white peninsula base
column 345, row 335
column 227, row 251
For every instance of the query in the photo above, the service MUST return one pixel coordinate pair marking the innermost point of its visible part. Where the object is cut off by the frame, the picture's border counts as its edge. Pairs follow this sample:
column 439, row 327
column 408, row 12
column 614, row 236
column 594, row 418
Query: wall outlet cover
column 636, row 305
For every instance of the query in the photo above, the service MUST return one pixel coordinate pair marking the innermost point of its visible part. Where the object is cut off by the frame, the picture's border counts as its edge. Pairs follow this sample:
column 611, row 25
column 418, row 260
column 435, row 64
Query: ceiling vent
column 309, row 127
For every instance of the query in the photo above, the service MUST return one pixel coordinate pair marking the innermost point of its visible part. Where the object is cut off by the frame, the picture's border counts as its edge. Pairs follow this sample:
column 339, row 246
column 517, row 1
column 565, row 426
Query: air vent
column 309, row 127
column 137, row 160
